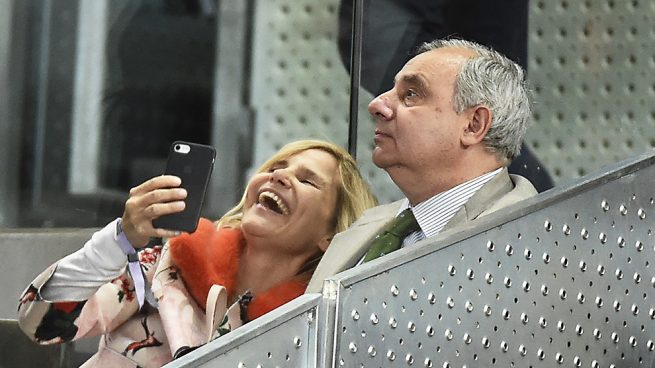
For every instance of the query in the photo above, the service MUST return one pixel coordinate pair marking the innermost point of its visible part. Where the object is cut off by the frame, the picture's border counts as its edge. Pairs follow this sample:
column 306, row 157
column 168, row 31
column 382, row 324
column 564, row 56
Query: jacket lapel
column 349, row 246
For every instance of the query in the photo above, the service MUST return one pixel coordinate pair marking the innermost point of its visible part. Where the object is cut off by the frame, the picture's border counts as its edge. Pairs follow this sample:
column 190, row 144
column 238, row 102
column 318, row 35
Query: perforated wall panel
column 592, row 70
column 569, row 284
column 285, row 337
column 300, row 87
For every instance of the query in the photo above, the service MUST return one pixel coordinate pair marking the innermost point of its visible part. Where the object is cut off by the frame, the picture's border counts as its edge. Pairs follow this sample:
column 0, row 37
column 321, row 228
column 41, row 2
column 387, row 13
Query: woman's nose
column 380, row 107
column 280, row 176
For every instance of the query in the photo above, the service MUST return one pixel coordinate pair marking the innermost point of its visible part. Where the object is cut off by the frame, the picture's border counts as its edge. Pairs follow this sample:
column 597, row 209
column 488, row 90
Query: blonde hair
column 353, row 194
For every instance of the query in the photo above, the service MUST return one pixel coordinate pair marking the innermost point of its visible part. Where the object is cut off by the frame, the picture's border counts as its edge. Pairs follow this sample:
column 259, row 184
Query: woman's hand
column 156, row 197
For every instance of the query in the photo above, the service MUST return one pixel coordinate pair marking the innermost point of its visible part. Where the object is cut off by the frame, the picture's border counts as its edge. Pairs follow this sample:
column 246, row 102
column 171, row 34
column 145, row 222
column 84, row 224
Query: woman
column 260, row 255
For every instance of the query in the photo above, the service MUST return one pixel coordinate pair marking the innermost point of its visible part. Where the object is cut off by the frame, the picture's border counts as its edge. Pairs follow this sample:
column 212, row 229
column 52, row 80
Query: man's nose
column 380, row 108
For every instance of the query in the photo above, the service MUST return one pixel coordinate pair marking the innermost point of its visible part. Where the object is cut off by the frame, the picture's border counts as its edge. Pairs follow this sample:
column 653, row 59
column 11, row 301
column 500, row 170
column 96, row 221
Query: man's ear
column 324, row 242
column 478, row 125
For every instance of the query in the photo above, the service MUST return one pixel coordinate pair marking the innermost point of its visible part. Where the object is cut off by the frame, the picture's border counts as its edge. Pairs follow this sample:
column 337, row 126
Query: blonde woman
column 198, row 286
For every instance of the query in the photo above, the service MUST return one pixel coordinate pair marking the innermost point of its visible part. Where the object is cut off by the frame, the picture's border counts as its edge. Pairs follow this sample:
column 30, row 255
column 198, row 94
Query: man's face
column 417, row 130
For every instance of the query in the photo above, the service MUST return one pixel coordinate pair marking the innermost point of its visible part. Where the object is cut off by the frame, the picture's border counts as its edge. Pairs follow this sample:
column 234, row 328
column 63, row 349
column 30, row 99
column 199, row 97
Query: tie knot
column 404, row 224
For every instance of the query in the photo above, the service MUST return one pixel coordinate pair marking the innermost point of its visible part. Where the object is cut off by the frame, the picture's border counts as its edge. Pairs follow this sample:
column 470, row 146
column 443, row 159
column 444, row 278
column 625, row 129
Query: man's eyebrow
column 416, row 80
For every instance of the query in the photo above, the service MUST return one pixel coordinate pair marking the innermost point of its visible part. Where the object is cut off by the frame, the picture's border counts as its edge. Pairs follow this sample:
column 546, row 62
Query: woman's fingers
column 156, row 197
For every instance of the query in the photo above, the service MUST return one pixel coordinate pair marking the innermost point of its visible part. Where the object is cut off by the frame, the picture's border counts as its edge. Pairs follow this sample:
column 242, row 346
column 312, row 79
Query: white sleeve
column 79, row 275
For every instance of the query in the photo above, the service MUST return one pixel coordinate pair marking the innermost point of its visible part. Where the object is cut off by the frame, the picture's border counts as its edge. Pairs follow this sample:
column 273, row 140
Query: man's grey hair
column 495, row 81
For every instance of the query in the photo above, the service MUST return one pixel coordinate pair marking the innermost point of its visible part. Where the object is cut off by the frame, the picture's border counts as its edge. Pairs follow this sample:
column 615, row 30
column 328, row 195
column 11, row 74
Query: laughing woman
column 159, row 303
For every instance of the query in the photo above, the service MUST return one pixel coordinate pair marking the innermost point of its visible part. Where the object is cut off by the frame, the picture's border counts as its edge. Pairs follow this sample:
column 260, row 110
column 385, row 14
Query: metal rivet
column 509, row 250
column 451, row 270
column 409, row 359
column 489, row 278
column 507, row 282
column 391, row 355
column 650, row 345
column 635, row 309
column 615, row 337
column 605, row 205
column 562, row 294
column 584, row 233
column 581, row 298
column 485, row 342
column 636, row 277
column 427, row 362
column 633, row 341
column 620, row 242
column 595, row 364
column 241, row 365
column 446, row 365
column 599, row 301
column 469, row 306
column 546, row 258
column 565, row 262
column 470, row 274
column 394, row 290
column 297, row 342
column 393, row 323
column 487, row 310
column 566, row 229
column 602, row 237
column 522, row 350
column 506, row 314
column 583, row 266
column 353, row 347
column 559, row 358
column 542, row 322
column 355, row 314
column 448, row 334
column 577, row 361
column 544, row 290
column 639, row 245
column 526, row 286
column 548, row 226
column 652, row 313
column 467, row 338
column 623, row 209
column 641, row 213
column 411, row 326
column 503, row 346
column 524, row 318
column 617, row 305
column 371, row 351
column 490, row 246
column 429, row 330
column 374, row 319
column 597, row 334
column 432, row 298
column 541, row 354
column 528, row 254
column 579, row 330
column 601, row 270
column 450, row 302
column 561, row 326
column 413, row 294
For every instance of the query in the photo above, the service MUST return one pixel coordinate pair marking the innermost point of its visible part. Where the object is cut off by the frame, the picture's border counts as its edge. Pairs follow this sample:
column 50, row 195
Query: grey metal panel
column 564, row 278
column 285, row 337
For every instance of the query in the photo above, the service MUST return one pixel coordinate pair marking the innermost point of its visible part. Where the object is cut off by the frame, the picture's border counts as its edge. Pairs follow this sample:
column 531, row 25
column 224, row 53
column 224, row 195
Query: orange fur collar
column 211, row 256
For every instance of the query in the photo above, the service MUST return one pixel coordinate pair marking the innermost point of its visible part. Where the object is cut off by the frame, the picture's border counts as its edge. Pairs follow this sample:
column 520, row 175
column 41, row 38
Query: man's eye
column 410, row 95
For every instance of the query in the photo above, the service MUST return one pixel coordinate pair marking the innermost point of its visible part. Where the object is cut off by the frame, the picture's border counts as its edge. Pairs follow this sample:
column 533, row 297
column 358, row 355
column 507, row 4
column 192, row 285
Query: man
column 392, row 30
column 445, row 134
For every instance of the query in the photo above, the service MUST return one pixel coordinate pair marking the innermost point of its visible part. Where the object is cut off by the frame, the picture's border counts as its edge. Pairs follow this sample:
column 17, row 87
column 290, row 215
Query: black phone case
column 194, row 168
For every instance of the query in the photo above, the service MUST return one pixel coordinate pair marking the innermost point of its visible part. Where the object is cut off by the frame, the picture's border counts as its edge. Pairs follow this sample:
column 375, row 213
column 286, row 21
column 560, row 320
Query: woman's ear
column 325, row 242
column 478, row 125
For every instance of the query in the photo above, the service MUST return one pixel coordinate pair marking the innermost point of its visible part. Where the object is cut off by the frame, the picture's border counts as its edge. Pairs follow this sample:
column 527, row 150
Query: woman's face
column 292, row 205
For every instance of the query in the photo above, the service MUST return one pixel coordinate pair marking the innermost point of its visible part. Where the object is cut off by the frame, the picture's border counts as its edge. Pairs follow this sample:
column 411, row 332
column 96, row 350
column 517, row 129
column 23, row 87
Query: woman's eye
column 309, row 182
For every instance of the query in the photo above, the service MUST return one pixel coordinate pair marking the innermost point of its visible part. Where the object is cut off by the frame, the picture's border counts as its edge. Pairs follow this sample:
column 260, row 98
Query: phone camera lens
column 177, row 147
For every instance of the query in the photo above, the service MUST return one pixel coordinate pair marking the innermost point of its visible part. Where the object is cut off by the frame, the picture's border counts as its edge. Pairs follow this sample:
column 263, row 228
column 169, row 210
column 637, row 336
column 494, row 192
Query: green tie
column 391, row 238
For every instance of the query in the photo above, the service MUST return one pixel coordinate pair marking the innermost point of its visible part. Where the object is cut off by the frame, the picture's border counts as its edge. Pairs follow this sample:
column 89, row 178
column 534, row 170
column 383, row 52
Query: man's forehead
column 440, row 62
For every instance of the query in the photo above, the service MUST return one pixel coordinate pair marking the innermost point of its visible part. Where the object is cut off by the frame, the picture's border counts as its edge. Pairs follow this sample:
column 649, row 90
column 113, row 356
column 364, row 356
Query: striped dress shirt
column 434, row 213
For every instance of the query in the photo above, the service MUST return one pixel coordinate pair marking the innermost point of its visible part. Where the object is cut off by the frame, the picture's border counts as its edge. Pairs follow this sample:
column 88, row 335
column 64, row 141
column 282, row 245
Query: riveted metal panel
column 285, row 337
column 591, row 67
column 566, row 279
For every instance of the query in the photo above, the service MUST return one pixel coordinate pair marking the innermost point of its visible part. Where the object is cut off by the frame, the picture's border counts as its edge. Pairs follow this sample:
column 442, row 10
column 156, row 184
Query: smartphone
column 193, row 163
